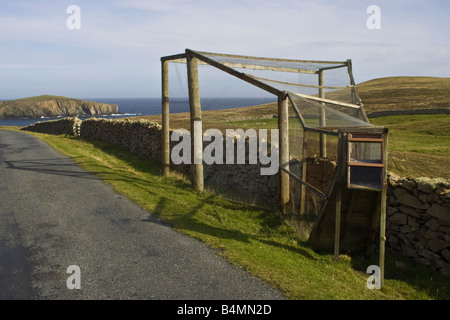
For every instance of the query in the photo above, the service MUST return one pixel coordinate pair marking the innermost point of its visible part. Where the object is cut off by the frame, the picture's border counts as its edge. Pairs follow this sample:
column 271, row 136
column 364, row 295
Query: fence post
column 283, row 127
column 165, row 118
column 196, row 117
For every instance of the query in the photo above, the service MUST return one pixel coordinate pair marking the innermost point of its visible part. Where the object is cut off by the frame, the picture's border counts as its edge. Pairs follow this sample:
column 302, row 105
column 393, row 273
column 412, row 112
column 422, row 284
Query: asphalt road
column 54, row 215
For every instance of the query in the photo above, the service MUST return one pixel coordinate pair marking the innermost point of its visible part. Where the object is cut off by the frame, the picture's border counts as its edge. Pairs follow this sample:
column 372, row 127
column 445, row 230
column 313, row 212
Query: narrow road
column 54, row 215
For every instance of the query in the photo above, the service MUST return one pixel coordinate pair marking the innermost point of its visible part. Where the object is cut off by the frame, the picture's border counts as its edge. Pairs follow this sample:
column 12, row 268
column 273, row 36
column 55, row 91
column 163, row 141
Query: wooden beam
column 237, row 74
column 165, row 117
column 310, row 187
column 334, row 102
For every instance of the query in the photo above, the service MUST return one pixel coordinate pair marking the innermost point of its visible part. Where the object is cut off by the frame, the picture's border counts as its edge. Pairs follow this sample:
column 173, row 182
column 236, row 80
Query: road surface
column 54, row 215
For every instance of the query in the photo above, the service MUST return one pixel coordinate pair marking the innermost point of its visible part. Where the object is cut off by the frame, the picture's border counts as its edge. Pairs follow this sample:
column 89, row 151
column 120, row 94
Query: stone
column 409, row 211
column 399, row 192
column 444, row 229
column 428, row 254
column 408, row 251
column 437, row 245
column 399, row 218
column 440, row 212
column 413, row 222
column 433, row 224
column 428, row 185
column 405, row 229
column 431, row 234
column 409, row 200
column 391, row 210
column 424, row 261
column 446, row 254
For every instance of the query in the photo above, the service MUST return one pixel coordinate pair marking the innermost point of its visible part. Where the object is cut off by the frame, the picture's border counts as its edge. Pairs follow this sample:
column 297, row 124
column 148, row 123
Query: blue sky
column 117, row 51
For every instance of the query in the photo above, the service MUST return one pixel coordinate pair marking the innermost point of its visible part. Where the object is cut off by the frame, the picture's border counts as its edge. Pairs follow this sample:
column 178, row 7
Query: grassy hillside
column 405, row 93
column 46, row 97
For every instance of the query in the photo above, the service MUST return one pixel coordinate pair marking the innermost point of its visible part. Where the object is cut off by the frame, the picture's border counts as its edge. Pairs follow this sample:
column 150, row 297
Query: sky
column 116, row 51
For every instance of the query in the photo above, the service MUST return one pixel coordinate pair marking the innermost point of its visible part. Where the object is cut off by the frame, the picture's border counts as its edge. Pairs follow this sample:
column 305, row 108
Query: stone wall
column 141, row 137
column 68, row 126
column 418, row 220
column 418, row 210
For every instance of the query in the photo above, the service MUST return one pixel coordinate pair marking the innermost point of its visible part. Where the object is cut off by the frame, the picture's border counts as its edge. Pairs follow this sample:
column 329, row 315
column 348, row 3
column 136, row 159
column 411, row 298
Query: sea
column 130, row 107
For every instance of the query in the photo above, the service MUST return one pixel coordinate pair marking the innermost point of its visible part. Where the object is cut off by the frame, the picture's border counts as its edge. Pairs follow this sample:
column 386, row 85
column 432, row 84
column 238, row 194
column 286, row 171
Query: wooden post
column 340, row 174
column 322, row 120
column 337, row 227
column 303, row 174
column 196, row 119
column 283, row 127
column 383, row 212
column 165, row 118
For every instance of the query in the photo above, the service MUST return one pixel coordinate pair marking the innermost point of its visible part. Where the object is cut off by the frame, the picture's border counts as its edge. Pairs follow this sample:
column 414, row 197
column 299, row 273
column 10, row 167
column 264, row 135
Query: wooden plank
column 364, row 164
column 365, row 139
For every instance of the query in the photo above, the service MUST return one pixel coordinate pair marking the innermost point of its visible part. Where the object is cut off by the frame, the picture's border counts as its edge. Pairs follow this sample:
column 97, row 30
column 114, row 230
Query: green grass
column 419, row 145
column 253, row 238
column 45, row 97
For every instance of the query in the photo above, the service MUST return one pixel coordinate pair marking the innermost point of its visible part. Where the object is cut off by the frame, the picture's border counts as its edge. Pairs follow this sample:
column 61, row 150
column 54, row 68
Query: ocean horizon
column 131, row 107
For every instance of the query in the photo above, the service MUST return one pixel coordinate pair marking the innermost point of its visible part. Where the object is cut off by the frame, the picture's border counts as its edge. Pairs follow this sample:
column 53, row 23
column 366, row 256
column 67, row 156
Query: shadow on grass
column 419, row 277
column 405, row 269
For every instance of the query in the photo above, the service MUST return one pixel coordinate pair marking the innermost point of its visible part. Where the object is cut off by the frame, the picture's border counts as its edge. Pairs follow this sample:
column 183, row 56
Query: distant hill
column 405, row 93
column 53, row 106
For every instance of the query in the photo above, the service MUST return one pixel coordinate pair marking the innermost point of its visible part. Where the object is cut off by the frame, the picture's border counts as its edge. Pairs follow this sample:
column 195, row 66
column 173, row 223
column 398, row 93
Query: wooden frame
column 229, row 63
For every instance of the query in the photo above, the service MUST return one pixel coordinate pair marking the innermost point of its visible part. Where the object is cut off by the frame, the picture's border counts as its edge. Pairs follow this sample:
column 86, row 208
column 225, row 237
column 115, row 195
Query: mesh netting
column 268, row 63
column 316, row 114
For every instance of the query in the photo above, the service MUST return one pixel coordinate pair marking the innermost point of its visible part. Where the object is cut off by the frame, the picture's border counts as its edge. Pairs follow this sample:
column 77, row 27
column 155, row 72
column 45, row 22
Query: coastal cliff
column 53, row 106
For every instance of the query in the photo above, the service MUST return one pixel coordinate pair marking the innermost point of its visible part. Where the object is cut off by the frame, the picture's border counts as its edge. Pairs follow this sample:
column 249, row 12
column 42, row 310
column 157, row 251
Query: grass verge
column 252, row 238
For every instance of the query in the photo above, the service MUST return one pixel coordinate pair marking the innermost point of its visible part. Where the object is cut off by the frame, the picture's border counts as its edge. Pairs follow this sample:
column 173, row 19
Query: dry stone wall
column 141, row 137
column 70, row 126
column 418, row 220
column 418, row 210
